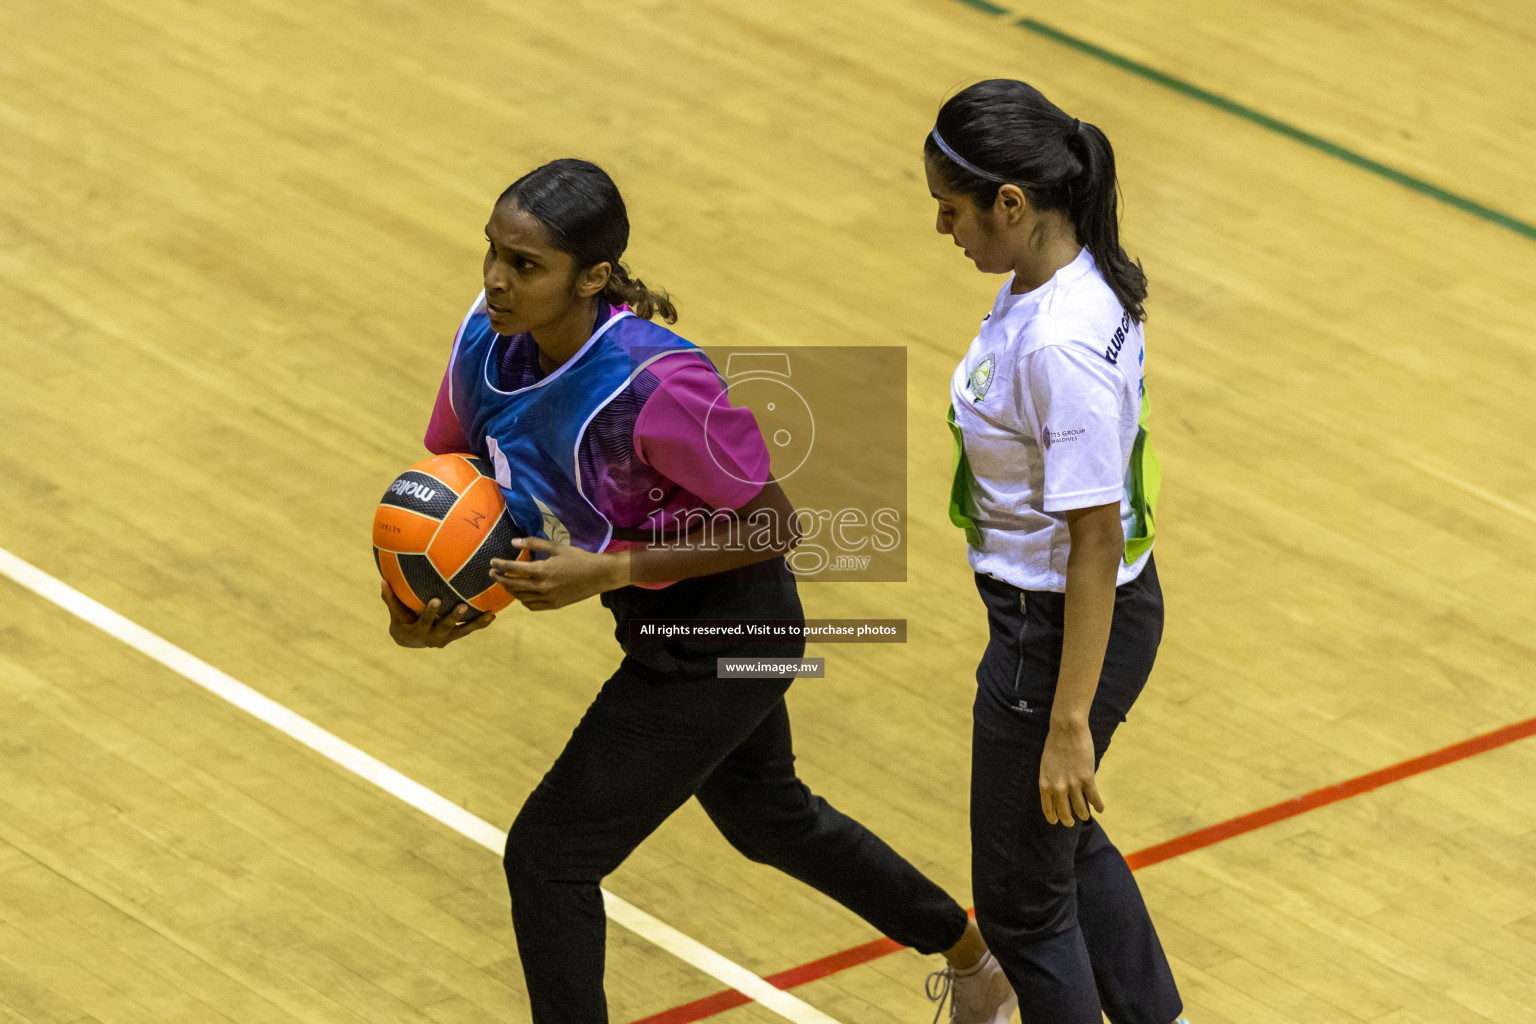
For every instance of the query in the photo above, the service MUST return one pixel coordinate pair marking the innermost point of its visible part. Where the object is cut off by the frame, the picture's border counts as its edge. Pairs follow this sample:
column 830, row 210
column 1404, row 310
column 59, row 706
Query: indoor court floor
column 235, row 242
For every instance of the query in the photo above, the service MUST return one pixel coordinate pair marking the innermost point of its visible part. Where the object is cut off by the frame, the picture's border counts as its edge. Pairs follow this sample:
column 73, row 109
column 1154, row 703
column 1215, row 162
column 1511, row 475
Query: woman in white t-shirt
column 1054, row 484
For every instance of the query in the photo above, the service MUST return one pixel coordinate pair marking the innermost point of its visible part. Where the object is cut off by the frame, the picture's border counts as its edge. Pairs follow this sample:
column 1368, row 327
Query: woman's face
column 528, row 282
column 977, row 231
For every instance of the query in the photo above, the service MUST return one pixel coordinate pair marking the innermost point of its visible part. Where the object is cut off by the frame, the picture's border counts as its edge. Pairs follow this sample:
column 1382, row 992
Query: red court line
column 1212, row 834
column 699, row 1009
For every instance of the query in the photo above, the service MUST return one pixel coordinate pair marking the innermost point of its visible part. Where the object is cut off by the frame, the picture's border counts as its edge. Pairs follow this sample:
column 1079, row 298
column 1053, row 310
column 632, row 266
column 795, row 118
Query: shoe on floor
column 980, row 994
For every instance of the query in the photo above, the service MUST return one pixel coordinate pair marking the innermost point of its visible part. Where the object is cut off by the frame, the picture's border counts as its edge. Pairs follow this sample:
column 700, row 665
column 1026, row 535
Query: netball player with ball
column 1054, row 485
column 593, row 417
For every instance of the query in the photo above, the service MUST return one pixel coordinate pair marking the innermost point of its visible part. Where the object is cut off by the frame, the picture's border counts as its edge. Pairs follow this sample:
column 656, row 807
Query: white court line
column 688, row 950
column 1477, row 492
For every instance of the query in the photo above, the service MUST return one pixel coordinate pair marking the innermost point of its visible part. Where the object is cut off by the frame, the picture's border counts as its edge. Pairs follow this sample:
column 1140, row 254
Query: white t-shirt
column 1048, row 402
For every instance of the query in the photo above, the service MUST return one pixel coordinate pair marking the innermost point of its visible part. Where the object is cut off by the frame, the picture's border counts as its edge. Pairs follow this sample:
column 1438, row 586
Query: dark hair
column 1009, row 129
column 580, row 207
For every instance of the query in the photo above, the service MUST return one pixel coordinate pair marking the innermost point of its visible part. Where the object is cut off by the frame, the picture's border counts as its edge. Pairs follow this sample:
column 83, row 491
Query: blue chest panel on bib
column 533, row 434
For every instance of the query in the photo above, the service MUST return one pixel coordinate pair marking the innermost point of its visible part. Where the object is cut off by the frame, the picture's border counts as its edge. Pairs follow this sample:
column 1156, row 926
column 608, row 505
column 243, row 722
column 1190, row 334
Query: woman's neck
column 562, row 338
column 1040, row 260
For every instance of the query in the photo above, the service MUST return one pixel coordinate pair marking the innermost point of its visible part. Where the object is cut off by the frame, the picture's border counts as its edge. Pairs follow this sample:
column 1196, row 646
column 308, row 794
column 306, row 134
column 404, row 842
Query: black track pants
column 1058, row 905
column 661, row 730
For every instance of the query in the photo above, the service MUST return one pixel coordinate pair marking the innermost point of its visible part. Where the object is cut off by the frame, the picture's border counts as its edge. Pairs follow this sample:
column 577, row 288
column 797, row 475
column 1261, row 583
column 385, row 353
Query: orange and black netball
column 436, row 530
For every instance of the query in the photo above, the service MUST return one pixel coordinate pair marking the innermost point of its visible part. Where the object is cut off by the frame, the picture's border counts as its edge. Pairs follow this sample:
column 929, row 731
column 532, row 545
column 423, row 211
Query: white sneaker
column 980, row 994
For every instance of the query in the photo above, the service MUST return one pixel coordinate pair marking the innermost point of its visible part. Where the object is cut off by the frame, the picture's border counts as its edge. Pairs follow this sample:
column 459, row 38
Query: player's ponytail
column 623, row 289
column 1003, row 131
column 1095, row 214
column 580, row 207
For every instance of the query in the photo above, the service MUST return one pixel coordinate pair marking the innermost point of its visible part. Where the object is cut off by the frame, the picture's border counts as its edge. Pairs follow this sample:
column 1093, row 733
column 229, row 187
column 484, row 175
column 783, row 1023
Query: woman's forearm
column 1093, row 563
column 763, row 528
column 660, row 562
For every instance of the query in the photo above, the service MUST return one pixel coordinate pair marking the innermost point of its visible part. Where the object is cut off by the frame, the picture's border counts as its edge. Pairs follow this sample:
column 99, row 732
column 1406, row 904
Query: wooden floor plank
column 236, row 241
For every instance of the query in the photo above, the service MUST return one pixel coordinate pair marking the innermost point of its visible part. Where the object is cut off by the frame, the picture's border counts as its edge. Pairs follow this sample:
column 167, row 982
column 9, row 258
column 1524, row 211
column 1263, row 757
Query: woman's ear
column 593, row 280
column 1010, row 204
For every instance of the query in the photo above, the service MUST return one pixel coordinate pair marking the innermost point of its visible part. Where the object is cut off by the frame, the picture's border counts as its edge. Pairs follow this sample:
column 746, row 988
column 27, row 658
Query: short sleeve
column 717, row 455
column 444, row 435
column 1071, row 400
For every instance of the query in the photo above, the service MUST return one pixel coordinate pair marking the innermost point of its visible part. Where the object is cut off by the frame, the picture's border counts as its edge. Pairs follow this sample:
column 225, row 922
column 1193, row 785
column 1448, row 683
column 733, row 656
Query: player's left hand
column 1067, row 785
column 569, row 574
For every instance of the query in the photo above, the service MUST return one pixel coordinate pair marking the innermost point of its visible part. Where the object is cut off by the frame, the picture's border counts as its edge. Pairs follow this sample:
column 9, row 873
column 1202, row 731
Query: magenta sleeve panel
column 444, row 435
column 717, row 455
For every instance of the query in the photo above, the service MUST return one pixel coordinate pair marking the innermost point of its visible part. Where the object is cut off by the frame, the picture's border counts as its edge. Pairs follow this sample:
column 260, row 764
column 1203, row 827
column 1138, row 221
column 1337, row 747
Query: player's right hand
column 429, row 627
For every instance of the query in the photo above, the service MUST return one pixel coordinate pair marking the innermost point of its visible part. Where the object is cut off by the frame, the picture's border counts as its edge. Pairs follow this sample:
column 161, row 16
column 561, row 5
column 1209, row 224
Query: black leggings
column 1058, row 905
column 652, row 739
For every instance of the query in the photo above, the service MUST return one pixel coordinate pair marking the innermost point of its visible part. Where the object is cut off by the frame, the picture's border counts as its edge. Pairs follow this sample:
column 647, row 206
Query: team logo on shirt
column 981, row 378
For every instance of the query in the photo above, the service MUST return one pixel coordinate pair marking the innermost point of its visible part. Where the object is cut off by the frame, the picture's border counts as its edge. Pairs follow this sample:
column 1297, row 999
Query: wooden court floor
column 235, row 240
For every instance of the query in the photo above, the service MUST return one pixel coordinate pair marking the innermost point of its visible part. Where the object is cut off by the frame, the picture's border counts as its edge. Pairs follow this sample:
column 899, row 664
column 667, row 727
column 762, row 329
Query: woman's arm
column 434, row 626
column 763, row 528
column 1093, row 562
column 690, row 434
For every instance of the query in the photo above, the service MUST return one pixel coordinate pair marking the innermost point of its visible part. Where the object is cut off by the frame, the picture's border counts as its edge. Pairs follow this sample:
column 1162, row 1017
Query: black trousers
column 1058, row 906
column 661, row 730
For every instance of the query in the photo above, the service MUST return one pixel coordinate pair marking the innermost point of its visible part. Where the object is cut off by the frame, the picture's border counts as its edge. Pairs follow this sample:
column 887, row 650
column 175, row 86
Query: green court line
column 1263, row 120
column 984, row 6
